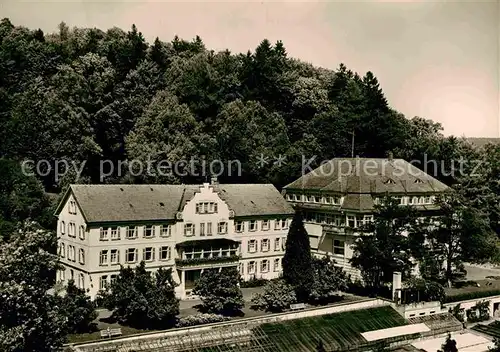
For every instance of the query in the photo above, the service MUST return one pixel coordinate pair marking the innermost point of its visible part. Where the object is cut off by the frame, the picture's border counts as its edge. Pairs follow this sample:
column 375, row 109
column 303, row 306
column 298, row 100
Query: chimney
column 396, row 286
column 389, row 156
column 213, row 180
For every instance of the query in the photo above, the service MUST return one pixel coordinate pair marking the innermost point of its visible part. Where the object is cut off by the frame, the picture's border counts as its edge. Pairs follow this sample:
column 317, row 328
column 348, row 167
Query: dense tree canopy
column 86, row 95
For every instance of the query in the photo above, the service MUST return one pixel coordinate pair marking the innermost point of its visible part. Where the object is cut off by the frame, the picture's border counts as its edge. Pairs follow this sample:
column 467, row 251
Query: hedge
column 471, row 295
column 200, row 319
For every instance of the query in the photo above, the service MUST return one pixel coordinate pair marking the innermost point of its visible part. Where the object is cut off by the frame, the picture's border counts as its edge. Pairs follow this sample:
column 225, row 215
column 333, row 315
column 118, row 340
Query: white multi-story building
column 340, row 195
column 189, row 228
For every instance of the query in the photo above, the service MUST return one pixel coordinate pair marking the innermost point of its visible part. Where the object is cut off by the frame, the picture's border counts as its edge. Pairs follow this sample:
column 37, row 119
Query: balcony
column 205, row 252
column 200, row 261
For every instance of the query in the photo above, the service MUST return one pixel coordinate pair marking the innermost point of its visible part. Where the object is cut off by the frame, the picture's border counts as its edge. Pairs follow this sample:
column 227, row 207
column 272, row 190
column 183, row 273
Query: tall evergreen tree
column 297, row 261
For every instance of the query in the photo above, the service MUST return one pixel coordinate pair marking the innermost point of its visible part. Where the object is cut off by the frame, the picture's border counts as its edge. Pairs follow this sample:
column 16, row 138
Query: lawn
column 338, row 331
column 486, row 288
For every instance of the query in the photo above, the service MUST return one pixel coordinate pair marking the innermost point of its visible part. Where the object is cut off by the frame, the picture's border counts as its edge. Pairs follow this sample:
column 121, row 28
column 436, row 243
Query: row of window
column 205, row 229
column 71, row 230
column 265, row 244
column 332, row 200
column 404, row 200
column 195, row 253
column 352, row 221
column 279, row 224
column 71, row 253
column 103, row 281
column 79, row 283
column 206, row 208
column 131, row 232
column 112, row 256
column 150, row 231
column 264, row 267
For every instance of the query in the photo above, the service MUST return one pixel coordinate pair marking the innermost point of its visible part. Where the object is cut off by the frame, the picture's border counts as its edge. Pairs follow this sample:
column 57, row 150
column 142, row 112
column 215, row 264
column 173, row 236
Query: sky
column 434, row 59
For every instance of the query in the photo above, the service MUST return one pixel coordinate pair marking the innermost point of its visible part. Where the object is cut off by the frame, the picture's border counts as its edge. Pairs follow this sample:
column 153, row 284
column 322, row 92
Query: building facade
column 188, row 228
column 339, row 196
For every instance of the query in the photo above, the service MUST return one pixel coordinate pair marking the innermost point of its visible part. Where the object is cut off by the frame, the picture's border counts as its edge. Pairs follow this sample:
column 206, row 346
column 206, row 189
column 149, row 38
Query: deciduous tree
column 277, row 296
column 383, row 247
column 31, row 318
column 461, row 233
column 329, row 280
column 80, row 311
column 219, row 291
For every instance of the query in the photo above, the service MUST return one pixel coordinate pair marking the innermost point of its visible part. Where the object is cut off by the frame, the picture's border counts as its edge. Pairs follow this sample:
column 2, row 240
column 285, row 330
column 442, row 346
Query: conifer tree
column 297, row 261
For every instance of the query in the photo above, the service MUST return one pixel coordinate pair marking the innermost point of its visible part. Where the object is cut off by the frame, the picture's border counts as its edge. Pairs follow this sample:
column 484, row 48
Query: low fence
column 309, row 312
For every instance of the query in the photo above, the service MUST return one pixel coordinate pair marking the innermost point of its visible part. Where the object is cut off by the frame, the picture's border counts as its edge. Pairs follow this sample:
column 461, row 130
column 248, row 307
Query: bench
column 111, row 332
column 297, row 306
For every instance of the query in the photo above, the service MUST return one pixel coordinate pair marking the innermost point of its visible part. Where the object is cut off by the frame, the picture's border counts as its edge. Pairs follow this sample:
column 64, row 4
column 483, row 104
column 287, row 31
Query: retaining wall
column 337, row 308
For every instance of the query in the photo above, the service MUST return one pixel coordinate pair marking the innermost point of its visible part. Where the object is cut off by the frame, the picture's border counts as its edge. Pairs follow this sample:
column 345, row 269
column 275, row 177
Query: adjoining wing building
column 340, row 195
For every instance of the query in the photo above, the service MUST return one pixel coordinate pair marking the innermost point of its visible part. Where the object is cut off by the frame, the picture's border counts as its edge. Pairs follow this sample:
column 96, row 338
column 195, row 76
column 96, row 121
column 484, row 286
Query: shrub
column 420, row 290
column 458, row 312
column 329, row 281
column 199, row 319
column 471, row 295
column 80, row 311
column 219, row 291
column 277, row 296
column 254, row 282
column 480, row 312
column 142, row 300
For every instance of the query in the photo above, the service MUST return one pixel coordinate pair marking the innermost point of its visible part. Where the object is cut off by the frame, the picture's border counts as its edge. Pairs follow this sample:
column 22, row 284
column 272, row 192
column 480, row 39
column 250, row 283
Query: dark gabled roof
column 118, row 203
column 367, row 176
column 254, row 199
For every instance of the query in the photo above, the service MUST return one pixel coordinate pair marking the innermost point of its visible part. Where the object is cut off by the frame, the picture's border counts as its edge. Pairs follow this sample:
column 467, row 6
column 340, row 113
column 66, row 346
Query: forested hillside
column 86, row 95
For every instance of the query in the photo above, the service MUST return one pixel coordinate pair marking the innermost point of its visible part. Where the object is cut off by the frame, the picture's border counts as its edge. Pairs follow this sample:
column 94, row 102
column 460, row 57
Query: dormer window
column 390, row 182
column 253, row 225
column 148, row 231
column 417, row 180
